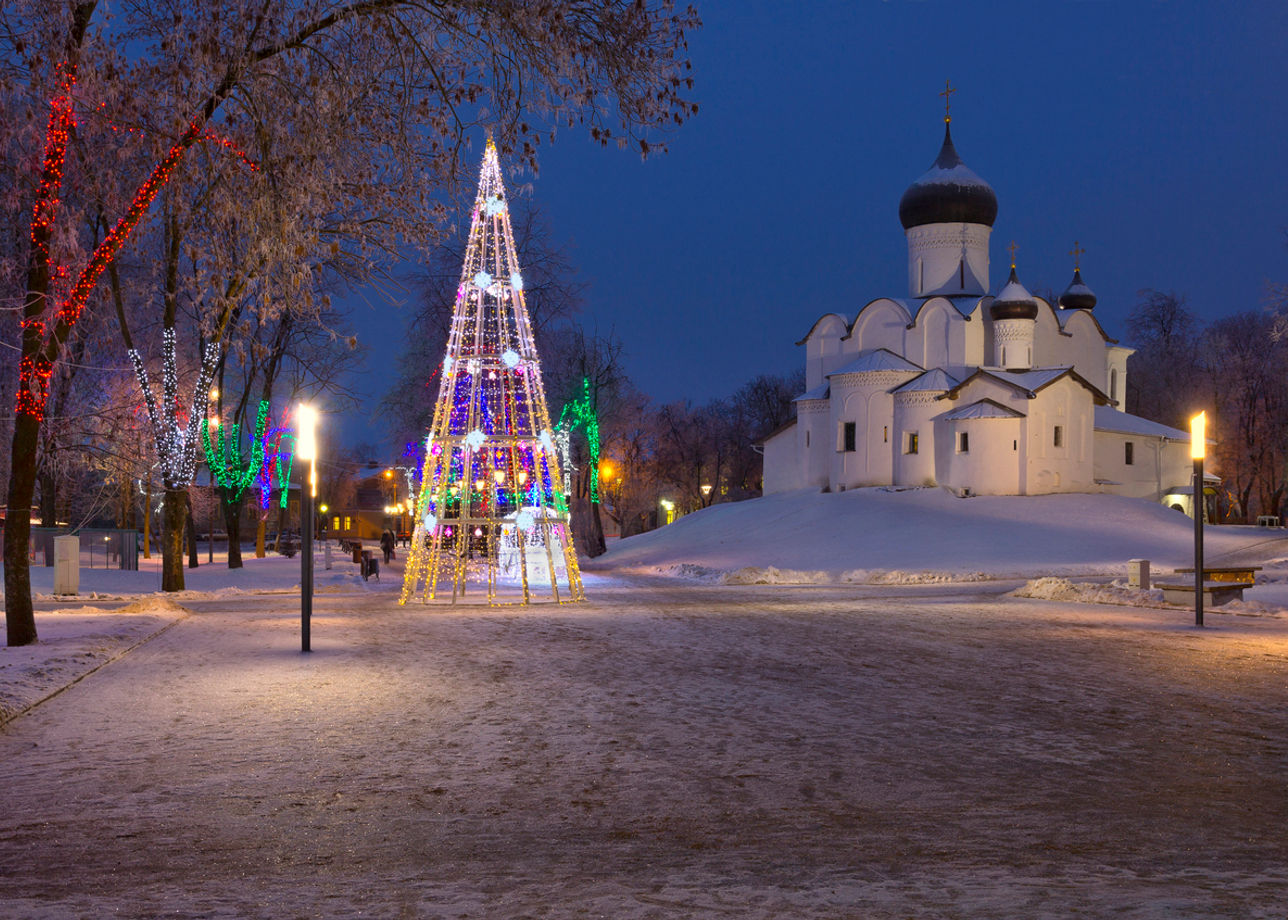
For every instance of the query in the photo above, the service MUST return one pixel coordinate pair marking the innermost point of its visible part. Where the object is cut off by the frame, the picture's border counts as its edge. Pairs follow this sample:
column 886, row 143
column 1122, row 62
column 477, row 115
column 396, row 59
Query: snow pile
column 918, row 536
column 1062, row 589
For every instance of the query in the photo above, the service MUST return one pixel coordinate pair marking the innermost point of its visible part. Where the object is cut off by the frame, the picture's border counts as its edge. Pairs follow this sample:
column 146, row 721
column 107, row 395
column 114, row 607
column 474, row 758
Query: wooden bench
column 1241, row 573
column 1215, row 593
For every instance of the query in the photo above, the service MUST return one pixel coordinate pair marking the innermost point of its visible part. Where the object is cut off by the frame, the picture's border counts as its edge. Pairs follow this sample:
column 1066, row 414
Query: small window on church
column 963, row 443
column 848, row 446
column 1113, row 388
column 961, row 275
column 1059, row 436
column 885, row 434
column 921, row 277
column 910, row 442
column 807, row 439
column 1129, row 454
column 1015, row 445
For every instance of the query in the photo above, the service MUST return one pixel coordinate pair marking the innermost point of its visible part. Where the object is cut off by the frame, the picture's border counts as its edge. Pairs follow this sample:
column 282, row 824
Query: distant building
column 1000, row 395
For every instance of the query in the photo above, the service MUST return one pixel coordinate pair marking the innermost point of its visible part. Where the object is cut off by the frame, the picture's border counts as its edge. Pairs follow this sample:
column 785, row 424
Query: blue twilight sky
column 1151, row 132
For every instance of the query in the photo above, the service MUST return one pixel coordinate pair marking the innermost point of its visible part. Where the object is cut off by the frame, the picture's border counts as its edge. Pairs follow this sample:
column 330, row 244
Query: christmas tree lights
column 492, row 507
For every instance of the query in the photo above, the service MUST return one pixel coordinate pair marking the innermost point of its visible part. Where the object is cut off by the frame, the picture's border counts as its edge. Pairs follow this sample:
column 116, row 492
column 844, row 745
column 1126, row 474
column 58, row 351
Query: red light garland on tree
column 37, row 363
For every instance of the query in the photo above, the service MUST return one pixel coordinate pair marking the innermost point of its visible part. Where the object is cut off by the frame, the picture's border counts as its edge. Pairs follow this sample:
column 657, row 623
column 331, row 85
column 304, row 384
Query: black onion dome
column 1077, row 296
column 949, row 193
column 1014, row 301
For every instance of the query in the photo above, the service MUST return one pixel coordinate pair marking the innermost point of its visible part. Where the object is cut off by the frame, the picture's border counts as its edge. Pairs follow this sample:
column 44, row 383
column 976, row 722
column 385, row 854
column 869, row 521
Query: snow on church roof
column 878, row 359
column 984, row 408
column 936, row 380
column 1033, row 380
column 819, row 392
column 1110, row 419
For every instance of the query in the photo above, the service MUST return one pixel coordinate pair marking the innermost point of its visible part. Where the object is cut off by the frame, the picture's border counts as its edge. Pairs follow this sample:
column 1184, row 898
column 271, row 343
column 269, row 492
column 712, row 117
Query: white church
column 984, row 394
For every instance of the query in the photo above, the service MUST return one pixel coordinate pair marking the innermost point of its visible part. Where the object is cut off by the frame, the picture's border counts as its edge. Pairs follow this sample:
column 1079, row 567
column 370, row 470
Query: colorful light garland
column 233, row 472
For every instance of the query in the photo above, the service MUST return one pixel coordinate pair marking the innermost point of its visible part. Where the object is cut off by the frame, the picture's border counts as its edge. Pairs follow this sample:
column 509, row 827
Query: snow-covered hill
column 887, row 535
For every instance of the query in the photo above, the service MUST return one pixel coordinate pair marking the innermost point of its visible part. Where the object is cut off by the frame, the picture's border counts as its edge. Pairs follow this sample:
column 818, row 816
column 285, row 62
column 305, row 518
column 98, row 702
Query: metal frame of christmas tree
column 492, row 507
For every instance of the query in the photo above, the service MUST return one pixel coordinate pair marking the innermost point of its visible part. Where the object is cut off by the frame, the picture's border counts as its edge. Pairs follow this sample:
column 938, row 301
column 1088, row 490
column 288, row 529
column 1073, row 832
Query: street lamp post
column 306, row 449
column 1198, row 443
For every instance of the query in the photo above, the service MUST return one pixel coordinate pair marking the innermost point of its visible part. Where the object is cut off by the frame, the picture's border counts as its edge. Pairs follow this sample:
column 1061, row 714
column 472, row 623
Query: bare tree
column 424, row 71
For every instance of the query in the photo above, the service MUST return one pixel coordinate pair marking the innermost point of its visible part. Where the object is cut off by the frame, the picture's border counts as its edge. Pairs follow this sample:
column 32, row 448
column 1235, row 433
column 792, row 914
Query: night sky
column 1152, row 133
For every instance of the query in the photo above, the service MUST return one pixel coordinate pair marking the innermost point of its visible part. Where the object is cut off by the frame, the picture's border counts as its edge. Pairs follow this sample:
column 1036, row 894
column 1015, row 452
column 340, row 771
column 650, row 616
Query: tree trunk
column 174, row 516
column 147, row 521
column 259, row 535
column 595, row 545
column 192, row 532
column 48, row 491
column 232, row 524
column 20, row 618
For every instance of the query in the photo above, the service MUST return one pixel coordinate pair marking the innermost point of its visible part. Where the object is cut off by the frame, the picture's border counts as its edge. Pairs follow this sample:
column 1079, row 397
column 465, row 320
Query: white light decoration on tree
column 176, row 434
column 493, row 506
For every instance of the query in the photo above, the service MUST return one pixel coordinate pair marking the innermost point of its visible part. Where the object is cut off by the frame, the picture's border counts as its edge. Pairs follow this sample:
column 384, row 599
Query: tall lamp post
column 1198, row 443
column 306, row 449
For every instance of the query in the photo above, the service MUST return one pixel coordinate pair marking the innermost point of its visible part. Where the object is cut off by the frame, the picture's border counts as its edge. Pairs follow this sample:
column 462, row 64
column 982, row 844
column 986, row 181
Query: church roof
column 935, row 380
column 948, row 193
column 1031, row 382
column 1110, row 419
column 819, row 392
column 964, row 304
column 982, row 408
column 877, row 359
column 1077, row 296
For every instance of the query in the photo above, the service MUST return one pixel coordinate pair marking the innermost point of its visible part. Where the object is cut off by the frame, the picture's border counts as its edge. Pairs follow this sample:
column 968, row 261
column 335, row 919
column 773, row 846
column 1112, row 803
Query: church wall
column 822, row 349
column 948, row 259
column 914, row 415
column 882, row 324
column 782, row 461
column 1086, row 351
column 971, row 335
column 814, row 441
column 1067, row 466
column 865, row 400
column 1050, row 348
column 1116, row 383
column 931, row 340
column 1157, row 464
column 991, row 463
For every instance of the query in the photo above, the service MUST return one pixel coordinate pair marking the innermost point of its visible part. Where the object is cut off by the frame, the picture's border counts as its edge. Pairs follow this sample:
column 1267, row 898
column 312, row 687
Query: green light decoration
column 581, row 413
column 234, row 474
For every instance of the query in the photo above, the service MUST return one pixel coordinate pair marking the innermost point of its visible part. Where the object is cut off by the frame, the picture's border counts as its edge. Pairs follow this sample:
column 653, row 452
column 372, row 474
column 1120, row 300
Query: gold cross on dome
column 1013, row 247
column 947, row 94
column 1076, row 252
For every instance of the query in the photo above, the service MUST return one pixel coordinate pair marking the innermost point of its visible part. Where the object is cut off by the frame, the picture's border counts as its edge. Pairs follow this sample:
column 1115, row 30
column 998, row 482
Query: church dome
column 1077, row 296
column 1014, row 301
column 949, row 193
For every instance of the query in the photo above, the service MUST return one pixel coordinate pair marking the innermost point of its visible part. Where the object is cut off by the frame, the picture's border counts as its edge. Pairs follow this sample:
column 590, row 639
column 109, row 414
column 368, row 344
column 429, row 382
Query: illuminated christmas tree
column 492, row 509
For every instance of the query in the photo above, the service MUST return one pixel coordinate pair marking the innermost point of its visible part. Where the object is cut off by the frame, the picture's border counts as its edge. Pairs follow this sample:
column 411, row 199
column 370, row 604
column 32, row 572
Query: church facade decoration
column 948, row 386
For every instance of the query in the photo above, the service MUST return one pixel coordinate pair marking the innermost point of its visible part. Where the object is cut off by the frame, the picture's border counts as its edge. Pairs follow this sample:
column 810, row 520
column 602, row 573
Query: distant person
column 387, row 545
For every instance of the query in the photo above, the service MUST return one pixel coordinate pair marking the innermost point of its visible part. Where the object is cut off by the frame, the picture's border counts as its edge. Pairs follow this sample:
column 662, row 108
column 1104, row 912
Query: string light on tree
column 492, row 506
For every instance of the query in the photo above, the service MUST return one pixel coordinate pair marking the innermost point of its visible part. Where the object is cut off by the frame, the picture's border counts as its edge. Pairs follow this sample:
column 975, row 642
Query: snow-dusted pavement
column 668, row 750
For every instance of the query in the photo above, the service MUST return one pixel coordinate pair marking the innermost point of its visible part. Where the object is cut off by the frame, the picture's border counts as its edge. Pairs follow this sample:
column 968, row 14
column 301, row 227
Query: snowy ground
column 673, row 748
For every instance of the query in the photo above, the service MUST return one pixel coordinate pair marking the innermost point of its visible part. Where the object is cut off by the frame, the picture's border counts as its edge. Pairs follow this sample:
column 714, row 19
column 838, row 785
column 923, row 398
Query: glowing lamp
column 1198, row 436
column 306, row 446
column 499, row 476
